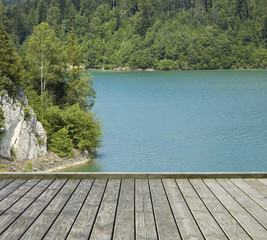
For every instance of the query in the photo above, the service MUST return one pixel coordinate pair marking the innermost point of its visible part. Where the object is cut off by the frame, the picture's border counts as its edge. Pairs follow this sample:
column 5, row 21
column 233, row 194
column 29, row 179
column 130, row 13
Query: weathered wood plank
column 263, row 180
column 251, row 226
column 259, row 186
column 63, row 223
column 17, row 228
column 145, row 224
column 165, row 222
column 19, row 207
column 251, row 206
column 103, row 226
column 85, row 220
column 185, row 221
column 209, row 227
column 16, row 195
column 10, row 188
column 124, row 223
column 5, row 182
column 251, row 192
column 41, row 225
column 230, row 226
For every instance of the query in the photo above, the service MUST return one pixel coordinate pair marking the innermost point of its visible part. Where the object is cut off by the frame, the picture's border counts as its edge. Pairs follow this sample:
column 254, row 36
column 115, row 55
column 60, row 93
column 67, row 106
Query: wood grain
column 19, row 207
column 165, row 221
column 64, row 221
column 251, row 226
column 103, row 226
column 42, row 224
column 16, row 230
column 229, row 225
column 124, row 223
column 206, row 222
column 145, row 224
column 16, row 195
column 85, row 220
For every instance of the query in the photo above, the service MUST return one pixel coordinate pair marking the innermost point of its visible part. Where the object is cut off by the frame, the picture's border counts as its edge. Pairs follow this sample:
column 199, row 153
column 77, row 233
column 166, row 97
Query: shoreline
column 48, row 163
column 126, row 69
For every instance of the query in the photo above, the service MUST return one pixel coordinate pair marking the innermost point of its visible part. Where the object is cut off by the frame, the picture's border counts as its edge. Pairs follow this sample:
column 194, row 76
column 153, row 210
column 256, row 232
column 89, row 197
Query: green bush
column 2, row 122
column 61, row 143
column 27, row 113
column 71, row 127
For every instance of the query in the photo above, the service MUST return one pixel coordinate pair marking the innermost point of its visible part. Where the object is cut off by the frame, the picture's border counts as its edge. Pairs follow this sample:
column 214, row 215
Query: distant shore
column 127, row 69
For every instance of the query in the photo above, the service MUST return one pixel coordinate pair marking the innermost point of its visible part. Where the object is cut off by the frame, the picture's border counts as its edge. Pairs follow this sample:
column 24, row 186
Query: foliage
column 61, row 99
column 29, row 166
column 27, row 113
column 79, row 86
column 61, row 143
column 12, row 152
column 191, row 34
column 72, row 127
column 2, row 122
column 43, row 59
column 9, row 59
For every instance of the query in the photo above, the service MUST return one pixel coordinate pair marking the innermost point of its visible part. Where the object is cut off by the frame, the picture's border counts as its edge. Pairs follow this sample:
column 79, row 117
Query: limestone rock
column 24, row 137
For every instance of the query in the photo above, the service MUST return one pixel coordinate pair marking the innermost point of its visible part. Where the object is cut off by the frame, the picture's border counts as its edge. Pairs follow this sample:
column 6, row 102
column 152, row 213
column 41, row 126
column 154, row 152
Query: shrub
column 2, row 122
column 61, row 143
column 27, row 113
column 71, row 127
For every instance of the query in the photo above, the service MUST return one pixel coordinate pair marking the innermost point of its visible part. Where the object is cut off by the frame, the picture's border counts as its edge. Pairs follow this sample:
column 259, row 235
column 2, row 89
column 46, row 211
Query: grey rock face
column 24, row 137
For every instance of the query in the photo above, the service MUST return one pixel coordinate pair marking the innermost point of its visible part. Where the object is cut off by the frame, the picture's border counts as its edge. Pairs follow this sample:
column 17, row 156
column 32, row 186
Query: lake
column 190, row 121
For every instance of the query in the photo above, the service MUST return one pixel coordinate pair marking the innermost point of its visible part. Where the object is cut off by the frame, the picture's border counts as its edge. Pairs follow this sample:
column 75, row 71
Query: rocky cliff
column 24, row 137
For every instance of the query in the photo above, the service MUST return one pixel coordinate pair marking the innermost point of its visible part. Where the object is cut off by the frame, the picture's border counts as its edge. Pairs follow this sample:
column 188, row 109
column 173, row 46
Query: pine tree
column 79, row 86
column 9, row 60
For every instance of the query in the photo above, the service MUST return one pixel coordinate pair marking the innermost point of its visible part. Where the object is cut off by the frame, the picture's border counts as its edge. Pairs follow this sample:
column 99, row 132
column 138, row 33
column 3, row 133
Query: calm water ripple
column 181, row 121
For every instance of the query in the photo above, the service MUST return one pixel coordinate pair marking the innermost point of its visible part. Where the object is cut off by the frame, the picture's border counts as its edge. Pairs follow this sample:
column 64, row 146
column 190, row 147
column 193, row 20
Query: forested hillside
column 58, row 91
column 159, row 34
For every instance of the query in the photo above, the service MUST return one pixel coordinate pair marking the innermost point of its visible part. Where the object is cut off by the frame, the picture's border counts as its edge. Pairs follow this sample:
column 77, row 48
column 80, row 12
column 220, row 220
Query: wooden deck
column 135, row 207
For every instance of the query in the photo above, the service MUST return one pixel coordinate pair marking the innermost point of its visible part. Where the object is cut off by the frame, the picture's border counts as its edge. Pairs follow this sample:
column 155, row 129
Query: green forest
column 158, row 34
column 57, row 89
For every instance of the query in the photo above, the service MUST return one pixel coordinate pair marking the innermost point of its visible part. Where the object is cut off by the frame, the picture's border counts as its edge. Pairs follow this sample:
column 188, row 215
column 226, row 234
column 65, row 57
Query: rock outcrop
column 24, row 137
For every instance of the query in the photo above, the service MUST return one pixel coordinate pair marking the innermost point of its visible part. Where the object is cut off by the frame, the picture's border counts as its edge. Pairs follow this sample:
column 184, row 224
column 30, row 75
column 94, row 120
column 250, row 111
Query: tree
column 44, row 59
column 79, row 86
column 9, row 59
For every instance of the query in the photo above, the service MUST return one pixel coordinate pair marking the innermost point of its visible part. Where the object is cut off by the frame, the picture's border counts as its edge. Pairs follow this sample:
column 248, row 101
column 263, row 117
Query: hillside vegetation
column 59, row 92
column 159, row 34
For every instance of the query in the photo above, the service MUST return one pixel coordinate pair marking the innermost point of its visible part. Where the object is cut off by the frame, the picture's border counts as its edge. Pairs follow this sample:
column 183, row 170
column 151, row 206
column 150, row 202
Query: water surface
column 195, row 121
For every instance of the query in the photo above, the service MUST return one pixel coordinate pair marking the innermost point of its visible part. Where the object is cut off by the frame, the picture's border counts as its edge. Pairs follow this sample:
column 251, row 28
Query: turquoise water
column 195, row 121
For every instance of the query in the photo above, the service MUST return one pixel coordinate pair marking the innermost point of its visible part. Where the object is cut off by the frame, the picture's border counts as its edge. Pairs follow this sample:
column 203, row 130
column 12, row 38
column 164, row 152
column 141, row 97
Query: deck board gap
column 171, row 209
column 19, row 198
column 10, row 188
column 51, row 225
column 12, row 221
column 80, row 209
column 98, row 209
column 189, row 209
column 249, row 196
column 134, row 213
column 45, row 207
column 153, row 210
column 241, row 206
column 208, row 208
column 34, row 211
column 242, row 216
column 5, row 182
column 115, row 215
column 228, row 210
